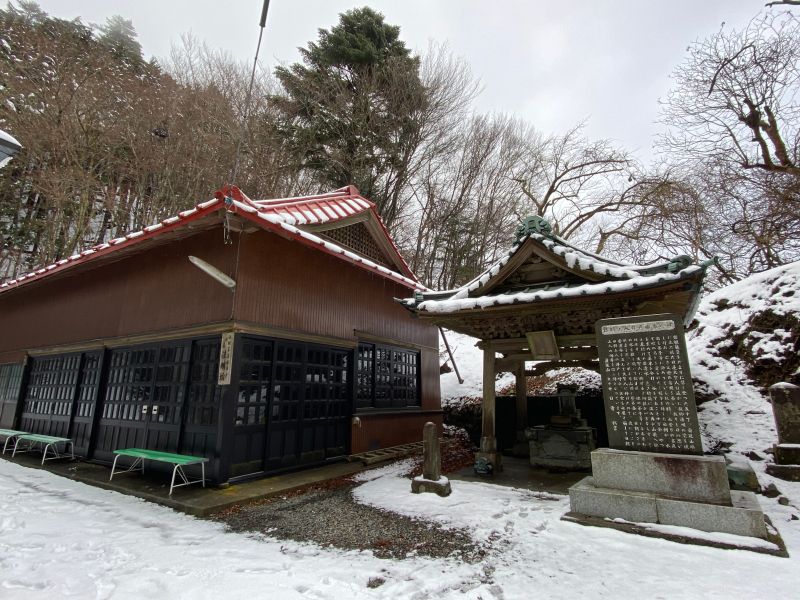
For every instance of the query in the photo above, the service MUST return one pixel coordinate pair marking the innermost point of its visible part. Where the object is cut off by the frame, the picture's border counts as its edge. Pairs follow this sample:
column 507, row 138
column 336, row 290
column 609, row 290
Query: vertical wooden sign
column 225, row 359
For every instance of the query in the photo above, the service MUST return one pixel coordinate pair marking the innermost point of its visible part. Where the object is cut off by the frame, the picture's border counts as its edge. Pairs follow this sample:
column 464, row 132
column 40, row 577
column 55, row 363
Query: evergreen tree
column 119, row 34
column 351, row 111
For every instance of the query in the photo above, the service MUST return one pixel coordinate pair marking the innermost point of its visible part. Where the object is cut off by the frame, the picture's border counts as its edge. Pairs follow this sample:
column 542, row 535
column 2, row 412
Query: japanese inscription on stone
column 647, row 385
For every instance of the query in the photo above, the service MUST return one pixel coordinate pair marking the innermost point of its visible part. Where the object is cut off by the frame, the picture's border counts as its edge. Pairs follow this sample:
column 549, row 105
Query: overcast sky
column 553, row 63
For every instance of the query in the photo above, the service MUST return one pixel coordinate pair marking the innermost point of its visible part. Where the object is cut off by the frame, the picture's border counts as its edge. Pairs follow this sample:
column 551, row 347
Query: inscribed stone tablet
column 647, row 385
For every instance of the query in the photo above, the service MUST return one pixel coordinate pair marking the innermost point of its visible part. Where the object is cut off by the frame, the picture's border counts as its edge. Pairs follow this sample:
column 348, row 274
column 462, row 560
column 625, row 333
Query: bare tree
column 736, row 97
column 733, row 122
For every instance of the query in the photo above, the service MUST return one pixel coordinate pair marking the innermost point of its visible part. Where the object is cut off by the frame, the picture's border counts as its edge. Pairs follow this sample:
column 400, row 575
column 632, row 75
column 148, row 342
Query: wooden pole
column 450, row 353
column 488, row 441
column 522, row 398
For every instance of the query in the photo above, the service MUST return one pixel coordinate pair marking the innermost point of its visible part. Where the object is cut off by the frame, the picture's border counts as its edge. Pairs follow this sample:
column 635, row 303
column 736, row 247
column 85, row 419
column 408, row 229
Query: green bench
column 178, row 460
column 9, row 434
column 49, row 443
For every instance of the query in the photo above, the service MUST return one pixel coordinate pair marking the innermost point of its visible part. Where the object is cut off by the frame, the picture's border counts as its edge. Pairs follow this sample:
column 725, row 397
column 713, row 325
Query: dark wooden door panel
column 293, row 405
column 83, row 413
column 201, row 414
column 252, row 406
column 144, row 397
column 53, row 386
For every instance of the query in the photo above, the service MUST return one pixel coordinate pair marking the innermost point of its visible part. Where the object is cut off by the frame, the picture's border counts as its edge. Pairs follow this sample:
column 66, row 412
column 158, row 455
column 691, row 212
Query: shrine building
column 263, row 335
column 541, row 301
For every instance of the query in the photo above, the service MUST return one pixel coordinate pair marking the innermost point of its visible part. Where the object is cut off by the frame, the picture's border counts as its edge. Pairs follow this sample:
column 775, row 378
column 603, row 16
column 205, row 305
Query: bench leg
column 5, row 446
column 16, row 443
column 113, row 466
column 203, row 469
column 44, row 454
column 172, row 483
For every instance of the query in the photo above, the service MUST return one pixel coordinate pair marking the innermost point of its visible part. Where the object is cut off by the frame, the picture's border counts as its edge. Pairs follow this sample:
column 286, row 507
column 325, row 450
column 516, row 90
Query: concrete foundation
column 685, row 477
column 686, row 491
column 742, row 517
column 741, row 475
column 787, row 454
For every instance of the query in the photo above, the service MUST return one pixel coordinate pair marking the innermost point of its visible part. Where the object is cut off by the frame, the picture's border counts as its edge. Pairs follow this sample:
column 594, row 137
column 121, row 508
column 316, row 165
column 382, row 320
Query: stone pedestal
column 431, row 479
column 560, row 448
column 488, row 460
column 785, row 399
column 669, row 489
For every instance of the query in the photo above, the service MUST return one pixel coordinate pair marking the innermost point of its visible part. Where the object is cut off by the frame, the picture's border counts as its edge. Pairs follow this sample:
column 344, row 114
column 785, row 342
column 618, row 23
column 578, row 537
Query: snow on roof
column 463, row 302
column 272, row 220
column 276, row 222
column 575, row 259
column 8, row 138
column 313, row 210
column 326, row 208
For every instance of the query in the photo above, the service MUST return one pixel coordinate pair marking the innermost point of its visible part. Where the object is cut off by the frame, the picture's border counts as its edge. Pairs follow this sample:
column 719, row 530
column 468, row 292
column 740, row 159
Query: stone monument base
column 773, row 545
column 785, row 472
column 420, row 485
column 567, row 448
column 667, row 489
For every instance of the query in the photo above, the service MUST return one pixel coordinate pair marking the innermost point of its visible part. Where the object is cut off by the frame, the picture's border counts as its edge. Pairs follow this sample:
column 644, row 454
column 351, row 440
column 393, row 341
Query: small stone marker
column 785, row 399
column 647, row 385
column 431, row 479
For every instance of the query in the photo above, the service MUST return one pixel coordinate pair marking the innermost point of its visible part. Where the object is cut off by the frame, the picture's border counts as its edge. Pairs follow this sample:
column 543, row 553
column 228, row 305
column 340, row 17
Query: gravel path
column 330, row 517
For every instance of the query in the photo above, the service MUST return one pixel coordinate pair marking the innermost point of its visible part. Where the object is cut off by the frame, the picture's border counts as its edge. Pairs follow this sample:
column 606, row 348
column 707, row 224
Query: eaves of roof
column 222, row 201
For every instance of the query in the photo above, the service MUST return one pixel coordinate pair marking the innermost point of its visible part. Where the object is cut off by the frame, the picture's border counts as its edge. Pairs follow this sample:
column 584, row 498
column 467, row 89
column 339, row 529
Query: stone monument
column 567, row 442
column 785, row 399
column 654, row 471
column 431, row 479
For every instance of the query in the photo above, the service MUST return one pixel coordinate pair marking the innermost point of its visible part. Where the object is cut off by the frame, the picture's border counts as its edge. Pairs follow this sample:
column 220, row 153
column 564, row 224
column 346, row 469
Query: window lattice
column 387, row 377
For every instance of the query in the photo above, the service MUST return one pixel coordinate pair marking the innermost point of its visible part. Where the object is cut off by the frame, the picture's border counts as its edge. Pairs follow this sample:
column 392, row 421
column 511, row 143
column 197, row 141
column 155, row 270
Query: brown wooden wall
column 287, row 285
column 390, row 429
column 150, row 291
column 280, row 284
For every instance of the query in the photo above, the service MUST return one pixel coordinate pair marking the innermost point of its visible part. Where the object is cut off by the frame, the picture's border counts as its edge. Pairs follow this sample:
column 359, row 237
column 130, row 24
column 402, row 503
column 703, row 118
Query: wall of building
column 150, row 291
column 285, row 288
column 375, row 431
column 290, row 286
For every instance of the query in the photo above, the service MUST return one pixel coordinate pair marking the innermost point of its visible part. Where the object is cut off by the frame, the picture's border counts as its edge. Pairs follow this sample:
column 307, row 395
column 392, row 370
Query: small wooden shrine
column 540, row 302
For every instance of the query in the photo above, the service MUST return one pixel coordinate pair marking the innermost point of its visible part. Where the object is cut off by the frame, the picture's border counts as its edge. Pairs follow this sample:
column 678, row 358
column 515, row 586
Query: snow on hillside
column 746, row 339
column 469, row 360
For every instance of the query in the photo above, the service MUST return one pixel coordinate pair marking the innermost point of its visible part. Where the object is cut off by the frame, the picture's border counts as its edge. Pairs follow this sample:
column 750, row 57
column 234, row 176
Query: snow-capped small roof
column 457, row 303
column 582, row 274
column 9, row 140
column 229, row 198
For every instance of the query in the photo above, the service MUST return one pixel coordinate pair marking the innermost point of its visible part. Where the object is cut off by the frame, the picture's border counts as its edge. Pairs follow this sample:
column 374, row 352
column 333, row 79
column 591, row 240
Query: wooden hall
column 263, row 335
column 540, row 302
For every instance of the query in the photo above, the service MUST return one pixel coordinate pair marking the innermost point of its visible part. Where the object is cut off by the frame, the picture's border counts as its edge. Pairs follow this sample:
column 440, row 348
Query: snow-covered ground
column 64, row 539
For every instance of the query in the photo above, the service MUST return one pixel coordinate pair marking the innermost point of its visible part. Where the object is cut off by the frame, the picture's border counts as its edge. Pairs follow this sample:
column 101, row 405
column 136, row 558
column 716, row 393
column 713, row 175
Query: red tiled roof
column 322, row 208
column 273, row 215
